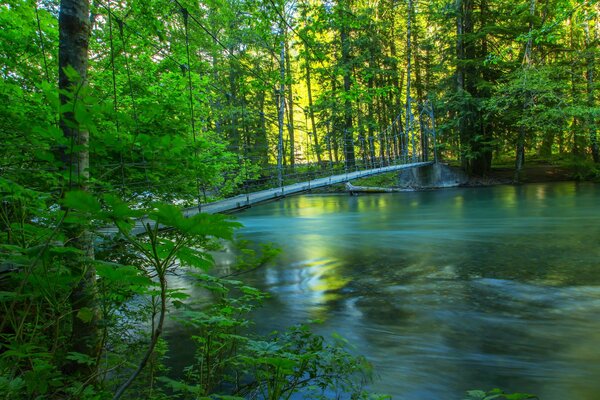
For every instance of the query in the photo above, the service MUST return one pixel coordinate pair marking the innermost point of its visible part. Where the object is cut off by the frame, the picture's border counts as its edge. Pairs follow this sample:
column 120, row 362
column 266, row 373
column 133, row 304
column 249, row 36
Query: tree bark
column 232, row 101
column 311, row 110
column 281, row 110
column 419, row 85
column 460, row 79
column 371, row 113
column 346, row 63
column 74, row 33
column 482, row 161
column 591, row 96
column 290, row 105
column 528, row 63
column 262, row 140
column 577, row 131
column 408, row 118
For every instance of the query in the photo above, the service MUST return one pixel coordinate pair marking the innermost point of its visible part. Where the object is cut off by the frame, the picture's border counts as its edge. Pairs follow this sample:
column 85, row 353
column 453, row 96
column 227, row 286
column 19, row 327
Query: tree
column 343, row 15
column 74, row 31
column 527, row 64
column 590, row 50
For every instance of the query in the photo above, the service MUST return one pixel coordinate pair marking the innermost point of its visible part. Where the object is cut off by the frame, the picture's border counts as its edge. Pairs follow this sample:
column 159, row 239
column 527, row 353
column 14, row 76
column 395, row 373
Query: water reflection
column 445, row 291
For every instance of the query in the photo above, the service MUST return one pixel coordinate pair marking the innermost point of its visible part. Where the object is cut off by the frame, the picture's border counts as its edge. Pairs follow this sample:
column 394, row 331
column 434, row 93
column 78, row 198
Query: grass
column 389, row 179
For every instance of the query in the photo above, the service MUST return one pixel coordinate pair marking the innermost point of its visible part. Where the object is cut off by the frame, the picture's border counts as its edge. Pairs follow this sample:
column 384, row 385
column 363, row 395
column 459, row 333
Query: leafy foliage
column 180, row 105
column 497, row 394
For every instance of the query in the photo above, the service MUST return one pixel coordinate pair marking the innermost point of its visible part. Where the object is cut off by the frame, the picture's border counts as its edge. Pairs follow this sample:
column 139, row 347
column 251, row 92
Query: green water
column 445, row 291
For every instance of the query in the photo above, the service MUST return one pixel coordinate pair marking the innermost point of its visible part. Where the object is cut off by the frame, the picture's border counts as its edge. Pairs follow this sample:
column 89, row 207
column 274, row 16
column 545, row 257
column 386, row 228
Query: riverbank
column 536, row 171
column 533, row 172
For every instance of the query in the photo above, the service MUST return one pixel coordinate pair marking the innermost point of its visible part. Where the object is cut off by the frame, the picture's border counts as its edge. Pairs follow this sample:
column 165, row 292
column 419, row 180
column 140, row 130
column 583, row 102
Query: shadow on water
column 445, row 291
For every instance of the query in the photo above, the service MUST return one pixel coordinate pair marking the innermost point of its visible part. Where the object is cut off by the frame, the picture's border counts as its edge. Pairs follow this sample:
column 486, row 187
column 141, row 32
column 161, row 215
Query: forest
column 114, row 110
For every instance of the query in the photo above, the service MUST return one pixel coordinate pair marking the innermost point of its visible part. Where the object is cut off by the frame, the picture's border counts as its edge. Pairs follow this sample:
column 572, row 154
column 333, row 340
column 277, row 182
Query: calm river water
column 445, row 291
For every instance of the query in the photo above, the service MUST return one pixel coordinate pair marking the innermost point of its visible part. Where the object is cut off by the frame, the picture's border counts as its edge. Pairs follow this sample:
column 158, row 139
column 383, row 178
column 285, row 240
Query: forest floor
column 533, row 172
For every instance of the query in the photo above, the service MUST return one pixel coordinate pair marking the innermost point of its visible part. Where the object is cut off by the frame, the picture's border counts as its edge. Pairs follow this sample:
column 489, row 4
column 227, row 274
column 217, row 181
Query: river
column 444, row 291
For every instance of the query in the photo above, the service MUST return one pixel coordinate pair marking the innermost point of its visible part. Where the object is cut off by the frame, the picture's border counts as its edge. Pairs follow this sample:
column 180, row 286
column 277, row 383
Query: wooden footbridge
column 243, row 201
column 246, row 200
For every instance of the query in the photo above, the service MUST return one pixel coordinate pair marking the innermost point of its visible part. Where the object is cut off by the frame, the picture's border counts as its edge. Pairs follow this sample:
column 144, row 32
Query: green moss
column 383, row 180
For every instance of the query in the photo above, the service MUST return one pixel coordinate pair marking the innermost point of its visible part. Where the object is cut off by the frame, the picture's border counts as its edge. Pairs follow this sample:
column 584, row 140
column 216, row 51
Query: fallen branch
column 370, row 189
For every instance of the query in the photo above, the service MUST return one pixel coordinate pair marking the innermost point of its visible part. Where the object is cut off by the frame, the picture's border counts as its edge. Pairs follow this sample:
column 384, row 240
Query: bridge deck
column 246, row 200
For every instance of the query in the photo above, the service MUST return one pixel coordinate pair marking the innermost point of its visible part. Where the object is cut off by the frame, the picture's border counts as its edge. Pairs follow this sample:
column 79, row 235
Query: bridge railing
column 302, row 172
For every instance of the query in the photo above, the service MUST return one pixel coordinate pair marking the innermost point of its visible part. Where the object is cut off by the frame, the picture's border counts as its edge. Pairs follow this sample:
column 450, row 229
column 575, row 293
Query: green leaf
column 176, row 294
column 81, row 201
column 179, row 386
column 168, row 215
column 81, row 358
column 85, row 314
column 519, row 396
column 122, row 275
column 475, row 395
column 278, row 362
column 71, row 73
column 194, row 258
column 119, row 209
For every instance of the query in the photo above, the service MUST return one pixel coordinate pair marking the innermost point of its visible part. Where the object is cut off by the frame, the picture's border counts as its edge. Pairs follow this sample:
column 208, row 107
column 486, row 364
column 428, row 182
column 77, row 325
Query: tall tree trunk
column 591, row 96
column 469, row 114
column 311, row 110
column 233, row 132
column 482, row 162
column 290, row 105
column 217, row 104
column 281, row 110
column 74, row 32
column 381, row 134
column 361, row 136
column 408, row 118
column 328, row 143
column 371, row 112
column 403, row 138
column 346, row 62
column 528, row 63
column 460, row 80
column 577, row 131
column 396, row 83
column 262, row 140
column 333, row 134
column 549, row 135
column 419, row 85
